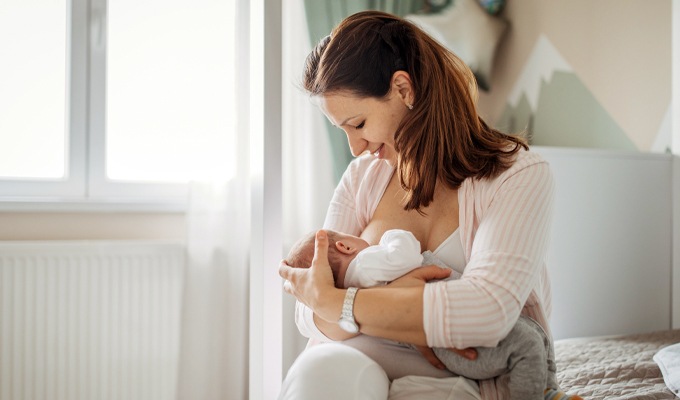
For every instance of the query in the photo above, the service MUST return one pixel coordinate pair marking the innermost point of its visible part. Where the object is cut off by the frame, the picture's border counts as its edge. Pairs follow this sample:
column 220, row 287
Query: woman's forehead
column 343, row 107
column 339, row 108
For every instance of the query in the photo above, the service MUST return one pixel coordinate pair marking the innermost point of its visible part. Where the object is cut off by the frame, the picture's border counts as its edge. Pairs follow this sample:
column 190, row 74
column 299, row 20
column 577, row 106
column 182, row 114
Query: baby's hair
column 302, row 252
column 300, row 255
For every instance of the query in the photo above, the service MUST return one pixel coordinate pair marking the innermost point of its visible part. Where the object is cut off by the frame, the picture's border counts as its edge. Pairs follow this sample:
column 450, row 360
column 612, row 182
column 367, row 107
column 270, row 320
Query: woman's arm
column 332, row 330
column 315, row 328
column 507, row 260
column 342, row 217
column 392, row 312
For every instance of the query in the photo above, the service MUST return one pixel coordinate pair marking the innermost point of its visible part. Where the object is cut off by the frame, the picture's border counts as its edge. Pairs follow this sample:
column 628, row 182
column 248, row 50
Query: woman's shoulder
column 526, row 163
column 526, row 158
column 529, row 173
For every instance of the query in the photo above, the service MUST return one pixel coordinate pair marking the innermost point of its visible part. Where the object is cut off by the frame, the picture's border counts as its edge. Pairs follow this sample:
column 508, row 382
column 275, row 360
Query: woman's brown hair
column 442, row 138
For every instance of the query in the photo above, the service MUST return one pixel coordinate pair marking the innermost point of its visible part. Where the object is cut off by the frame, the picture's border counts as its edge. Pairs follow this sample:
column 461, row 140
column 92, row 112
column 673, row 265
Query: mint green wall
column 322, row 17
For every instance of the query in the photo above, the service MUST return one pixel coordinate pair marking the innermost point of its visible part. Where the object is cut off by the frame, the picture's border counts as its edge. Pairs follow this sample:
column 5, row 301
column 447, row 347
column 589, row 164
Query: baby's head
column 342, row 249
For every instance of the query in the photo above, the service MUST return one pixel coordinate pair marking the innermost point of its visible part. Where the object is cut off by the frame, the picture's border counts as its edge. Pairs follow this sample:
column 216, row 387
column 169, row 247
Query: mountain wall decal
column 551, row 106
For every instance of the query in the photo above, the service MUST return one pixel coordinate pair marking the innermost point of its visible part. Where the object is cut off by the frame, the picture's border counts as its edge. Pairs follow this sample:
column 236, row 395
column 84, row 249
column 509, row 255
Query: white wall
column 675, row 107
column 611, row 244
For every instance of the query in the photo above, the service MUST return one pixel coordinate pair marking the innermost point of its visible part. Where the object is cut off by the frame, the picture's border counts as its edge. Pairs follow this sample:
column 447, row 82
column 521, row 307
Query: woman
column 426, row 163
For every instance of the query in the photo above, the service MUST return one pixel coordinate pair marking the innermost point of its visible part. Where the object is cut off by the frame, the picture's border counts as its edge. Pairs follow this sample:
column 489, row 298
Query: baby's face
column 350, row 246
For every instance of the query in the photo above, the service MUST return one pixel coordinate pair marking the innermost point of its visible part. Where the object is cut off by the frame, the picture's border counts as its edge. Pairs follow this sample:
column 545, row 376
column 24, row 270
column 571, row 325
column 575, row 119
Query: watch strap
column 348, row 304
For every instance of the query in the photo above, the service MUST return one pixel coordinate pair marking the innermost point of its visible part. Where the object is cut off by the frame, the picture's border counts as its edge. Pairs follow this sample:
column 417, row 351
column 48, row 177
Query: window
column 126, row 100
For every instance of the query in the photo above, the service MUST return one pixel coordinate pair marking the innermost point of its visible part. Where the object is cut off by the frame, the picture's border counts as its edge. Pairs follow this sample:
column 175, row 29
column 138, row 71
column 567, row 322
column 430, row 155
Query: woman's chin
column 390, row 162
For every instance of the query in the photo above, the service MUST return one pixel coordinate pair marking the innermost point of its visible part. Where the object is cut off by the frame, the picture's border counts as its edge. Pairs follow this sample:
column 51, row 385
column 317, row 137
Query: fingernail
column 321, row 235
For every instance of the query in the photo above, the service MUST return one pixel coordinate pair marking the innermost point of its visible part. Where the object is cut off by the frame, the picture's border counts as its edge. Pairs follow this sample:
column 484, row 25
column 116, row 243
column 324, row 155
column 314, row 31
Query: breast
column 437, row 222
column 378, row 226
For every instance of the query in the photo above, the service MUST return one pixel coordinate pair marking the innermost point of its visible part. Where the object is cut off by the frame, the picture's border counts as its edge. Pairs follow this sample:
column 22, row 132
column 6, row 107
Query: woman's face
column 369, row 123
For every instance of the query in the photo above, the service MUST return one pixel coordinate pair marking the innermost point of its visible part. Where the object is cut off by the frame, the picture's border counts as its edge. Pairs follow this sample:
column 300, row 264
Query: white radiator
column 90, row 320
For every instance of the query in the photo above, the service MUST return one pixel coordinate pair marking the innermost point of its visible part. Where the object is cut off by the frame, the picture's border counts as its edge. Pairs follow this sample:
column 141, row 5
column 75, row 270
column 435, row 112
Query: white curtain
column 214, row 345
column 215, row 317
column 308, row 181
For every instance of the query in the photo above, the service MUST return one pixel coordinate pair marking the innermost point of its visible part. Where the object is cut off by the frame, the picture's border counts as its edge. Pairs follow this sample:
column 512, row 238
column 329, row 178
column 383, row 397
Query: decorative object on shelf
column 493, row 7
column 469, row 31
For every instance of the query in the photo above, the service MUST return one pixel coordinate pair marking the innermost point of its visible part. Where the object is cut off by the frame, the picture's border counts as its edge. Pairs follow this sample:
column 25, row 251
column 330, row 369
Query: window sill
column 113, row 205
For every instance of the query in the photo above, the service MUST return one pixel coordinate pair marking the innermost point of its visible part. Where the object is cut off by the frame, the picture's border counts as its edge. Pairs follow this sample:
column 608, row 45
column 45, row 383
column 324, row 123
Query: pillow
column 668, row 360
column 469, row 31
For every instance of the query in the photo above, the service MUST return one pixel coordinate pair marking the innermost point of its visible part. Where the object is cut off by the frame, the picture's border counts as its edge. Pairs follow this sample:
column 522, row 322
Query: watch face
column 348, row 326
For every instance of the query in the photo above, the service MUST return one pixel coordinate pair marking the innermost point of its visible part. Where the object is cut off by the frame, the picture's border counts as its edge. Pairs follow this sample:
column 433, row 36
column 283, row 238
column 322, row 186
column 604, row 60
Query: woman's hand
column 419, row 277
column 429, row 355
column 427, row 352
column 311, row 285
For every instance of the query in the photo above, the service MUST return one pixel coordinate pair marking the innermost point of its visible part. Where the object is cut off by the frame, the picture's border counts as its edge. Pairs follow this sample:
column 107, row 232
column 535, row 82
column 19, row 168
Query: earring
column 410, row 106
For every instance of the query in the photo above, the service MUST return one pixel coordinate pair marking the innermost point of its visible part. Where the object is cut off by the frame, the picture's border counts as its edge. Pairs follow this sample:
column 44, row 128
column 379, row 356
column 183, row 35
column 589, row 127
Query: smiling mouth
column 377, row 152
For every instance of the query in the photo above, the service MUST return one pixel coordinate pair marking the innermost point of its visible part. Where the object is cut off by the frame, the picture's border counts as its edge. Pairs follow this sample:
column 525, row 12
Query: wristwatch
column 347, row 321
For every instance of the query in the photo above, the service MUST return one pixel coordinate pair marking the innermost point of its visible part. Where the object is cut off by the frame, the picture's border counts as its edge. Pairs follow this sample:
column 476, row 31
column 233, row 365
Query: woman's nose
column 357, row 145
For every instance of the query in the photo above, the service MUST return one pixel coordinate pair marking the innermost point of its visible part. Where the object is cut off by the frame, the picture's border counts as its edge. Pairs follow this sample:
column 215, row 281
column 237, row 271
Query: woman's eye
column 361, row 125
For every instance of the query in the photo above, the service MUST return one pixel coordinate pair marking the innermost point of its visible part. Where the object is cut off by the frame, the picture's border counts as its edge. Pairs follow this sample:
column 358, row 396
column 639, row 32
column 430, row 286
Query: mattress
column 614, row 367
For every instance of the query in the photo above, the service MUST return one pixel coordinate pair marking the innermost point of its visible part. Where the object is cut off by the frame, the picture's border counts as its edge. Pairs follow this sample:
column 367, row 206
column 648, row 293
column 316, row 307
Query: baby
column 526, row 353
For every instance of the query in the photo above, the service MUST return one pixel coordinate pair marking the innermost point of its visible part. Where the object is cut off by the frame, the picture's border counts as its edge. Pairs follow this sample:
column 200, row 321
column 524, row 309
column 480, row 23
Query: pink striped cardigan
column 505, row 224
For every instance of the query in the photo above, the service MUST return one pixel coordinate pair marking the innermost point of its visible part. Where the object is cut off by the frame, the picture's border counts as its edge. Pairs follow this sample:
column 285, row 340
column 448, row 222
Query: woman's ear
column 403, row 87
column 345, row 248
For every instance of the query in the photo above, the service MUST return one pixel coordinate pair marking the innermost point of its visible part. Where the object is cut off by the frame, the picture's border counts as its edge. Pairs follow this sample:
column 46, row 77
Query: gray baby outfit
column 525, row 355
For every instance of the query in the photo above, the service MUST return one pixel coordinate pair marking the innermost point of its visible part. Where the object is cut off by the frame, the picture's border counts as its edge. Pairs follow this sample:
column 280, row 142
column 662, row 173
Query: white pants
column 332, row 371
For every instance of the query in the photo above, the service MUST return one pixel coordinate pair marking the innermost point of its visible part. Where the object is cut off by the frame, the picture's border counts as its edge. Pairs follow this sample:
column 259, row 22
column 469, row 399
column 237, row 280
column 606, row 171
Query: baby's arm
column 397, row 254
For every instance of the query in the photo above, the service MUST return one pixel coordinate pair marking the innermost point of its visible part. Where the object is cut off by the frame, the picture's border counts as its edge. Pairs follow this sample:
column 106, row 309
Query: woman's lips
column 380, row 153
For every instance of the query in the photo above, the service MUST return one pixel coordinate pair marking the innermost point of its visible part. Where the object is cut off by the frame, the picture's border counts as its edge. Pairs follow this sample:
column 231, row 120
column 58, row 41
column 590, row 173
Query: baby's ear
column 345, row 248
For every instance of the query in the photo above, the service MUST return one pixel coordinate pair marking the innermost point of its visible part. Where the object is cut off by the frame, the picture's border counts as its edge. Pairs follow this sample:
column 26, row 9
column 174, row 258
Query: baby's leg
column 528, row 362
column 522, row 355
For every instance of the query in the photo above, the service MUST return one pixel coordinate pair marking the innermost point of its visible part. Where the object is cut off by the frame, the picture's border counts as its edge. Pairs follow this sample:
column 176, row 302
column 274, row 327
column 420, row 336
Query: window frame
column 98, row 184
column 73, row 186
column 86, row 186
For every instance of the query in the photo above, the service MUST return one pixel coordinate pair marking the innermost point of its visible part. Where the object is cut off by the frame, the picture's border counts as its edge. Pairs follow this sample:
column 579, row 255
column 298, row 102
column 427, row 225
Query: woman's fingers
column 284, row 270
column 287, row 287
column 320, row 247
column 320, row 268
column 420, row 276
column 470, row 353
column 306, row 283
column 431, row 272
column 429, row 355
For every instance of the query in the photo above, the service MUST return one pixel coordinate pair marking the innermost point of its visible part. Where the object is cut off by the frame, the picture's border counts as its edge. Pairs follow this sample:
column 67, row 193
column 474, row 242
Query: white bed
column 614, row 367
column 611, row 269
